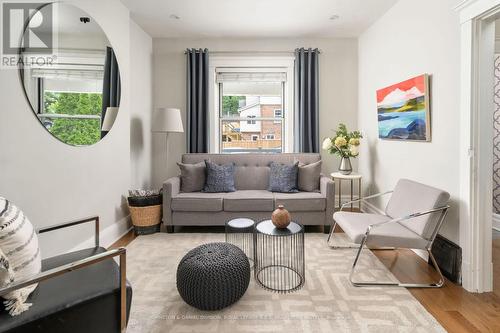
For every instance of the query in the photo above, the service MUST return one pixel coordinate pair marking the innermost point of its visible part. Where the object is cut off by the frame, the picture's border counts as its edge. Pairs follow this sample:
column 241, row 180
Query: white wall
column 141, row 60
column 338, row 86
column 411, row 39
column 54, row 182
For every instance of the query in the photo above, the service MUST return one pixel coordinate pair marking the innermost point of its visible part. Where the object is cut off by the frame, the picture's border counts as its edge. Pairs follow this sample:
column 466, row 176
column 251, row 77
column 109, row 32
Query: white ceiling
column 256, row 18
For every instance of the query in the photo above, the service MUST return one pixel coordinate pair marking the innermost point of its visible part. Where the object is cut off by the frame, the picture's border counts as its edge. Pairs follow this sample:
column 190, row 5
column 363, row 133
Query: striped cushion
column 19, row 255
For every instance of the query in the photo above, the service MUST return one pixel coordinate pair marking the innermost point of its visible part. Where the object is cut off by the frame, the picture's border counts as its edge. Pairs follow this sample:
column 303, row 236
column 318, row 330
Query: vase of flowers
column 345, row 144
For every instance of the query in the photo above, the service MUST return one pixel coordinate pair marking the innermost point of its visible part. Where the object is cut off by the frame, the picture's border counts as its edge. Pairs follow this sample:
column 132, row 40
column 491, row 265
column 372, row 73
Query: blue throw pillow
column 283, row 177
column 220, row 178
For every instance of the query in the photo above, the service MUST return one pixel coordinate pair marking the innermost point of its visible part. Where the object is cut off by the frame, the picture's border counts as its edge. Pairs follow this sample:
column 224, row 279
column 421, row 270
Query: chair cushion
column 197, row 202
column 249, row 201
column 72, row 301
column 388, row 235
column 412, row 197
column 301, row 201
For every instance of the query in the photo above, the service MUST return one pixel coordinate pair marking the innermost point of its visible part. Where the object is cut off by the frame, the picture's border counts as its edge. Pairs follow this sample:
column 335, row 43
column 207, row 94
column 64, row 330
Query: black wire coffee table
column 279, row 263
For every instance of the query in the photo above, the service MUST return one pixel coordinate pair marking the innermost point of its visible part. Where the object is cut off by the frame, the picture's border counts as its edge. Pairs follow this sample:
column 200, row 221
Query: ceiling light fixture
column 175, row 17
column 334, row 17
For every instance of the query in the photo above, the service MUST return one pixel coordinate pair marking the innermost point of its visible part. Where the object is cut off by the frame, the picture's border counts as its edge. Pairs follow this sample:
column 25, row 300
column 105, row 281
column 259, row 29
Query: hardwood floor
column 456, row 309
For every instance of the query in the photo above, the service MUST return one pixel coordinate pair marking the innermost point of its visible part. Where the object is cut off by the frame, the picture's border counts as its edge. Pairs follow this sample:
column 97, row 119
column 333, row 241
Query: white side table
column 338, row 178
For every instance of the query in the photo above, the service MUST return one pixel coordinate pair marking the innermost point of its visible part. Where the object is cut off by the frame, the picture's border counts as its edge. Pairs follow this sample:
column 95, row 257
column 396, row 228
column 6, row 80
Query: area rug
column 326, row 303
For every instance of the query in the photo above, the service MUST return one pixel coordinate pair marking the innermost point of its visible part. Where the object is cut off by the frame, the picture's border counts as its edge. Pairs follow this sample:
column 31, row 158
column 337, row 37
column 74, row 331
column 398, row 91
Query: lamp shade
column 109, row 118
column 167, row 120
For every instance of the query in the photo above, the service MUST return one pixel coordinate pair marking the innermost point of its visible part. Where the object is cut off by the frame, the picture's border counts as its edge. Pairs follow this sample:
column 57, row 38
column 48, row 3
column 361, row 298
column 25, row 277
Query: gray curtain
column 111, row 88
column 306, row 122
column 197, row 100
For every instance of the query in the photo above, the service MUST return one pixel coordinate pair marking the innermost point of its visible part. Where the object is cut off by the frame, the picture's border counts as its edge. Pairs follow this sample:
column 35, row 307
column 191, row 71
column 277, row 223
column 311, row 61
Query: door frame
column 476, row 133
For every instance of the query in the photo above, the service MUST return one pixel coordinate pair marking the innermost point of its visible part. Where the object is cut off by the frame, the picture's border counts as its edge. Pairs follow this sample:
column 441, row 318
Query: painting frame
column 404, row 110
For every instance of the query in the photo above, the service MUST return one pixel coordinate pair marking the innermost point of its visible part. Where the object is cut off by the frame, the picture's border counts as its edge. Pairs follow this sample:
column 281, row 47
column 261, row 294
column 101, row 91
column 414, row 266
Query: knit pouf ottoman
column 213, row 276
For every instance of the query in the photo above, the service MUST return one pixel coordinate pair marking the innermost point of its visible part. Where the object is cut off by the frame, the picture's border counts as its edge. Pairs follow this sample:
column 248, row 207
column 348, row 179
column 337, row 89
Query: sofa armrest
column 327, row 189
column 171, row 187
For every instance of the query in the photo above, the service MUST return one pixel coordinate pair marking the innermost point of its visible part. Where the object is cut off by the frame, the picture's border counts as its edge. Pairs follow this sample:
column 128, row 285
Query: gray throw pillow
column 283, row 177
column 220, row 178
column 192, row 177
column 309, row 174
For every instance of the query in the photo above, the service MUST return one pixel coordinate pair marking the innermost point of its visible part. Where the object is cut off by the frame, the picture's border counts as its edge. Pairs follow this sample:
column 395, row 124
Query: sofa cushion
column 220, row 178
column 192, row 176
column 283, row 177
column 301, row 201
column 251, row 170
column 249, row 201
column 308, row 176
column 197, row 202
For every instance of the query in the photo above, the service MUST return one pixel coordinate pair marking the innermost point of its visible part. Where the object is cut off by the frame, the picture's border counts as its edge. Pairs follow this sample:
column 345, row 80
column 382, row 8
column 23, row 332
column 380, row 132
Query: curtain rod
column 252, row 52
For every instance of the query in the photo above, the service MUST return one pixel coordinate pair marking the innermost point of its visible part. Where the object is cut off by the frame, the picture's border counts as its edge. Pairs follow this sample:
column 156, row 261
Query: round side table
column 239, row 232
column 351, row 177
column 279, row 256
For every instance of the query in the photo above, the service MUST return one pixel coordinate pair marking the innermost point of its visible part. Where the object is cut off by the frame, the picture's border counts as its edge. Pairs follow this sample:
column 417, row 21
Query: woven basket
column 146, row 220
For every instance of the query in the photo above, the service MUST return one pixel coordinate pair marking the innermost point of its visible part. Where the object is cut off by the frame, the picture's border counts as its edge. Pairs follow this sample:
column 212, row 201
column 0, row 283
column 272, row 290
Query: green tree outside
column 230, row 105
column 74, row 131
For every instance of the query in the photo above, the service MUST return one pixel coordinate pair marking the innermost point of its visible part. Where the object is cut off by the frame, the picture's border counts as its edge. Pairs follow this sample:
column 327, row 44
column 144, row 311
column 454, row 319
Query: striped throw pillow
column 19, row 255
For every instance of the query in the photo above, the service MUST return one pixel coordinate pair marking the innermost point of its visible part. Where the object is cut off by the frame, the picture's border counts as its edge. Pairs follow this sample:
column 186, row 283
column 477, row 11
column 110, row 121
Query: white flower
column 327, row 144
column 354, row 150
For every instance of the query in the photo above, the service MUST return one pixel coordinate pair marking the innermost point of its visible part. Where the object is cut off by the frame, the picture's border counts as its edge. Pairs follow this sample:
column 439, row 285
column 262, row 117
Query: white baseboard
column 372, row 209
column 109, row 235
column 496, row 222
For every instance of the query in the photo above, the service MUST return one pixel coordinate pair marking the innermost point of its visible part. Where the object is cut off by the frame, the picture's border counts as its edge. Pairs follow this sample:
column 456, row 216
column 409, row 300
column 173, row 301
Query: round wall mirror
column 72, row 82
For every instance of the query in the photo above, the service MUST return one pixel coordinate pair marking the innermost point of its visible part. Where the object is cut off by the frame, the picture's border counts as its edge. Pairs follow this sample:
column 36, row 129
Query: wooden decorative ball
column 281, row 217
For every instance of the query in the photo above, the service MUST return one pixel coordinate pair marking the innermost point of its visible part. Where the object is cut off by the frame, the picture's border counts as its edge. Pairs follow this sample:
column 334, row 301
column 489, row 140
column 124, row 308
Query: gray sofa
column 251, row 199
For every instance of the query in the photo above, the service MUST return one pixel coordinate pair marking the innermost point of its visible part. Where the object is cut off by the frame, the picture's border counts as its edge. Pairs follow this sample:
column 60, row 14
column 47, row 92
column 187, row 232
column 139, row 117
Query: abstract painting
column 404, row 111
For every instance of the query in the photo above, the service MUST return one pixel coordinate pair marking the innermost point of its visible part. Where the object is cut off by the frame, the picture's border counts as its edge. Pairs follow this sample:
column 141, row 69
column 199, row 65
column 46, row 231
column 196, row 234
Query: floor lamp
column 167, row 120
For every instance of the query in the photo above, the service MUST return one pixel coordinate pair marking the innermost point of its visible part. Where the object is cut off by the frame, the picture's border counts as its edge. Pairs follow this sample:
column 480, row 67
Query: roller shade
column 69, row 74
column 250, row 77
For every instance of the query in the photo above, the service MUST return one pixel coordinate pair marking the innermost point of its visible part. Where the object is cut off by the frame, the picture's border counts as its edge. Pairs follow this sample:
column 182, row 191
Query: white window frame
column 268, row 137
column 251, row 63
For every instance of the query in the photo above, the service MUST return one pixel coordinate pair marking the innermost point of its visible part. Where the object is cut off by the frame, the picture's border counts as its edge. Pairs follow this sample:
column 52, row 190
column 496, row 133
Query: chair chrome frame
column 121, row 252
column 430, row 242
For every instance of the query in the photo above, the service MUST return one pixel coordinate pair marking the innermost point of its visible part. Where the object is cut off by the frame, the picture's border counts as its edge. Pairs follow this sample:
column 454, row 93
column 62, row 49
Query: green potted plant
column 344, row 144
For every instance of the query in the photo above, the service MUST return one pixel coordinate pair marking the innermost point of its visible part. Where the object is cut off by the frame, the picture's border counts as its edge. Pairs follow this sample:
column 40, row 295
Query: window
column 236, row 84
column 72, row 117
column 250, row 108
column 67, row 96
column 278, row 113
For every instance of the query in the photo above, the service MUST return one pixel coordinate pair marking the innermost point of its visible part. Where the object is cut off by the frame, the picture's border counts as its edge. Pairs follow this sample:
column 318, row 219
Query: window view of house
column 251, row 117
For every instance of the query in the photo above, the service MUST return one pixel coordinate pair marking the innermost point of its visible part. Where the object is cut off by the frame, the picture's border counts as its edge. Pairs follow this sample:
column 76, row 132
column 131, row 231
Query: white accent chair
column 413, row 217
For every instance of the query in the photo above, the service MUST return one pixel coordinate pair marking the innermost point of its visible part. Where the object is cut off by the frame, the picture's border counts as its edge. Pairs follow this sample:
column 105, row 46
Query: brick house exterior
column 267, row 128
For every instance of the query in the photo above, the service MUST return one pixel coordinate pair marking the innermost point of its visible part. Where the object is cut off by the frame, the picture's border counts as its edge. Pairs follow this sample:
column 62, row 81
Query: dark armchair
column 82, row 291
